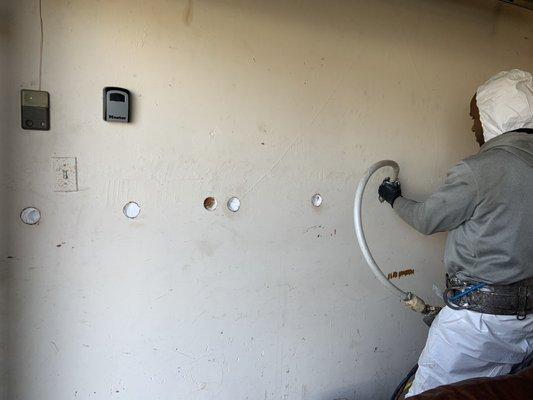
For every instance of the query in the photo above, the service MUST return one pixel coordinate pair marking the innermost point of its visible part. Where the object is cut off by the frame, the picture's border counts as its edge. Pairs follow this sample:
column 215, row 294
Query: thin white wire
column 41, row 44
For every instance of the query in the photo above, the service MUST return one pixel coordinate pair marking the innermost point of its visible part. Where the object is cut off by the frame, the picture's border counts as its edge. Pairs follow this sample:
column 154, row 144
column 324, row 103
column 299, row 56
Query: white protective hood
column 505, row 103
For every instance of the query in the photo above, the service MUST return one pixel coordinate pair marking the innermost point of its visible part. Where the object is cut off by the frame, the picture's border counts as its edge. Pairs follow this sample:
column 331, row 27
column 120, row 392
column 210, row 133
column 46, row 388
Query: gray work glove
column 389, row 191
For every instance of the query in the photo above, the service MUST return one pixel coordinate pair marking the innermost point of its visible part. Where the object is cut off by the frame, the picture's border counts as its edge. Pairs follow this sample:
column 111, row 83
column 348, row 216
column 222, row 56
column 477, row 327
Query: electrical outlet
column 65, row 171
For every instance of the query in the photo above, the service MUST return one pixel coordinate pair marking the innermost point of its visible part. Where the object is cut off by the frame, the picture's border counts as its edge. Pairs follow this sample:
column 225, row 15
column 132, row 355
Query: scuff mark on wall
column 188, row 13
column 54, row 346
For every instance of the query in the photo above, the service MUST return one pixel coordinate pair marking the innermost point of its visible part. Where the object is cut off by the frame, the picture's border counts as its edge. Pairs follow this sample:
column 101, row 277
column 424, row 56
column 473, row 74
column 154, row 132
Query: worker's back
column 496, row 244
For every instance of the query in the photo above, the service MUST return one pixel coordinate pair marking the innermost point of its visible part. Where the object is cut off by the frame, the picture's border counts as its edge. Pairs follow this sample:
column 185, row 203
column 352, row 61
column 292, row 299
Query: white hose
column 358, row 223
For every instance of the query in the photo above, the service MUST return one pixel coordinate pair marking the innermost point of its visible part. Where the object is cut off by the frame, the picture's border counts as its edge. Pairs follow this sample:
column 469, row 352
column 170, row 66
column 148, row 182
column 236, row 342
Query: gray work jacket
column 486, row 205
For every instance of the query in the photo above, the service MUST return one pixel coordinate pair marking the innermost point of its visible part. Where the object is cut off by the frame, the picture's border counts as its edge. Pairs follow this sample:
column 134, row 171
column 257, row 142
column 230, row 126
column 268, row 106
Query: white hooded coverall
column 464, row 344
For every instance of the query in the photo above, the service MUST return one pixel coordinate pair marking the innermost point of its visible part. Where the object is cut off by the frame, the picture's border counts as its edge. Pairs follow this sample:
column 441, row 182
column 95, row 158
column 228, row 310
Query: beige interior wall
column 4, row 267
column 270, row 101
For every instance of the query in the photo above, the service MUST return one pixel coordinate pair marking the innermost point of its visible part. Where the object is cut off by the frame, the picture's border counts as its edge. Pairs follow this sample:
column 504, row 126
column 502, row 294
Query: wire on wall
column 41, row 44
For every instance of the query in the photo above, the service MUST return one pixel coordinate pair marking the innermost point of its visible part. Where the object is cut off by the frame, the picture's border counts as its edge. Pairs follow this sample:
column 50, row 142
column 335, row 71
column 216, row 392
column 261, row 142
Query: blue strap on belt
column 467, row 291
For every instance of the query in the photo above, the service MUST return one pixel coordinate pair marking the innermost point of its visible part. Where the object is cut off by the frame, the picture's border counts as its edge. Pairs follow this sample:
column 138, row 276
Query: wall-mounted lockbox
column 116, row 104
column 35, row 110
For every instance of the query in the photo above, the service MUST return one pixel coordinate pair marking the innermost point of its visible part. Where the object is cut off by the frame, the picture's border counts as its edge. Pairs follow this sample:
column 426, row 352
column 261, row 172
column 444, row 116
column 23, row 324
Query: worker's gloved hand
column 390, row 191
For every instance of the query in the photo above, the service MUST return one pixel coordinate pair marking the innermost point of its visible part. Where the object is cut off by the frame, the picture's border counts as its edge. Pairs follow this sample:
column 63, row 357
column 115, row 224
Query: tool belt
column 514, row 299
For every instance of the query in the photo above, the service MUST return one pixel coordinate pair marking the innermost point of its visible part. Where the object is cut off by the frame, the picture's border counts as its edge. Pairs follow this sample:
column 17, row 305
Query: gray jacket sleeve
column 447, row 208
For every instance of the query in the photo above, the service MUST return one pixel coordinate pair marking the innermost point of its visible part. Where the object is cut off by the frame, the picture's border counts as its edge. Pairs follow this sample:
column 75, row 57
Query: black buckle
column 521, row 312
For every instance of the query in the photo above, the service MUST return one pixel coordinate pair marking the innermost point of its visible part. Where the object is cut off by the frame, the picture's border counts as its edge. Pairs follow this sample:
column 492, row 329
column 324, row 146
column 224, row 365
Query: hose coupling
column 415, row 303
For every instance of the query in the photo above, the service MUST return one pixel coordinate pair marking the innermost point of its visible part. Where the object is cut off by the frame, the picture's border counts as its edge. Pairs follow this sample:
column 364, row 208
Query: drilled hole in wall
column 316, row 200
column 131, row 210
column 210, row 203
column 233, row 204
column 30, row 216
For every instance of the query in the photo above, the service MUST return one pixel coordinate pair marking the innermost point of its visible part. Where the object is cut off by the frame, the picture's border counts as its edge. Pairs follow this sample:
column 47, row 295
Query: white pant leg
column 463, row 344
